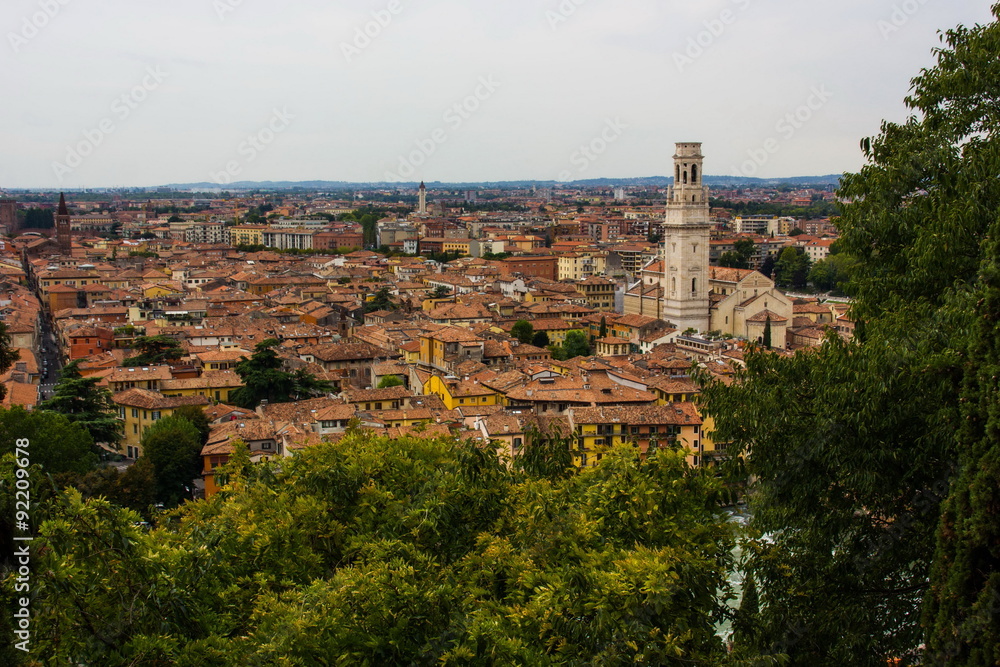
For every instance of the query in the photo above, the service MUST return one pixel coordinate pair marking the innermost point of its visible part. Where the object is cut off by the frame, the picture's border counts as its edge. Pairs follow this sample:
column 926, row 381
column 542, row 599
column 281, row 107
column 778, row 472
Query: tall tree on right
column 960, row 100
column 873, row 463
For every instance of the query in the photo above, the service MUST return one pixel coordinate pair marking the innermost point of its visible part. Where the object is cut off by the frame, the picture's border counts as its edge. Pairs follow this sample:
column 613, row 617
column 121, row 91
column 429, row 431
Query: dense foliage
column 371, row 551
column 152, row 350
column 173, row 447
column 874, row 462
column 264, row 378
column 83, row 402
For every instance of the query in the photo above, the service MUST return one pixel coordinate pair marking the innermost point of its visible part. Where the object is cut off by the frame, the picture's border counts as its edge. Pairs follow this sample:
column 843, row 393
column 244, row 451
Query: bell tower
column 686, row 233
column 63, row 228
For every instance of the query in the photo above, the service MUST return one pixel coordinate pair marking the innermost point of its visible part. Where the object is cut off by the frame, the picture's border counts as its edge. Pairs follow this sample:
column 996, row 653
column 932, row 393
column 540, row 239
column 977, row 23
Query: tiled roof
column 677, row 414
column 154, row 400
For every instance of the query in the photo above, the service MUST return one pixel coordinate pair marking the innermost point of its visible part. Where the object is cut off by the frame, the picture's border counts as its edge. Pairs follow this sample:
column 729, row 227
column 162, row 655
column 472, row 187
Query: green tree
column 792, row 268
column 38, row 218
column 154, row 350
column 264, row 379
column 731, row 260
column 135, row 488
column 196, row 415
column 306, row 385
column 796, row 232
column 767, row 333
column 382, row 301
column 173, row 446
column 832, row 273
column 369, row 230
column 523, row 331
column 440, row 292
column 83, row 402
column 767, row 266
column 405, row 551
column 873, row 468
column 576, row 344
column 390, row 381
column 603, row 331
column 57, row 445
column 540, row 339
column 746, row 249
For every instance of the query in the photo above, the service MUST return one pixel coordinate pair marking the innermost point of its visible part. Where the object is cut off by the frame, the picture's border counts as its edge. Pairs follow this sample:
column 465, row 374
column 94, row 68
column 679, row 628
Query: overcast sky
column 143, row 92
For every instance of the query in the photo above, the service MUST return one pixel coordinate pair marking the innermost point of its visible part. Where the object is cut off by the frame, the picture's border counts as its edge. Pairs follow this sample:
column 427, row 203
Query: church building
column 684, row 290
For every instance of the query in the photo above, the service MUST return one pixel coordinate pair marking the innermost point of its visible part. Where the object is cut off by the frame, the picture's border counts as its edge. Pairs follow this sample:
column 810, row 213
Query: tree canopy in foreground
column 371, row 551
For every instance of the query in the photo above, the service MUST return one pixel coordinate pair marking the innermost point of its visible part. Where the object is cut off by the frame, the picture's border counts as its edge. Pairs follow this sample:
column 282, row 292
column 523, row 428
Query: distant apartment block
column 764, row 225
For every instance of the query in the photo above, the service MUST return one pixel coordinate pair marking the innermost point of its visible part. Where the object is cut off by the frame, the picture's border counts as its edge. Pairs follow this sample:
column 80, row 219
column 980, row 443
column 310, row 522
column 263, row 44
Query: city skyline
column 386, row 91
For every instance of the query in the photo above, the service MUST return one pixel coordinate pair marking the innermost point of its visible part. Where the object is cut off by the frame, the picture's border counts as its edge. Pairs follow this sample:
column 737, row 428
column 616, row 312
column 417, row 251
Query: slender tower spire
column 423, row 199
column 686, row 234
column 63, row 235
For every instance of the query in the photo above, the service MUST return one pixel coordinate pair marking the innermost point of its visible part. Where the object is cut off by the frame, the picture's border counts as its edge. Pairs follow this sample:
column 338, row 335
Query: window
column 135, row 429
column 635, row 430
column 266, row 445
column 517, row 443
column 156, row 415
column 135, row 413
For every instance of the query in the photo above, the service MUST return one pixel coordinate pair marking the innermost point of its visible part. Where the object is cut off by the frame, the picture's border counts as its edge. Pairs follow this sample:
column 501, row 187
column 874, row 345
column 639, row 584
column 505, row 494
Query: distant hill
column 648, row 181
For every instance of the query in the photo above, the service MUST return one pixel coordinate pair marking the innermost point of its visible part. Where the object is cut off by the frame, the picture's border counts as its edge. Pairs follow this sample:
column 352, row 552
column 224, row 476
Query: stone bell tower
column 686, row 234
column 63, row 229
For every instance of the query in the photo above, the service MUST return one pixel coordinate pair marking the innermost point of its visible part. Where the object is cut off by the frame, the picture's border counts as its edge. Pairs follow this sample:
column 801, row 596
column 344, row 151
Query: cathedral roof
column 728, row 275
column 766, row 314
